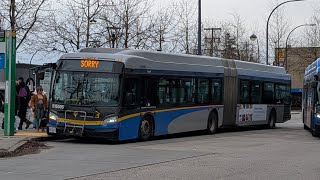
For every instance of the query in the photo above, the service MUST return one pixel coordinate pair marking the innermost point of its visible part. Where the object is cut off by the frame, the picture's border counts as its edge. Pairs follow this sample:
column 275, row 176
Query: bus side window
column 268, row 93
column 255, row 92
column 186, row 93
column 151, row 88
column 131, row 92
column 216, row 91
column 244, row 92
column 203, row 91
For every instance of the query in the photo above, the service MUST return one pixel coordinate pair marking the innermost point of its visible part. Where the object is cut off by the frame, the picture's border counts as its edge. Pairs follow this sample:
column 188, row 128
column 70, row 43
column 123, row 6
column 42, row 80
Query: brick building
column 298, row 59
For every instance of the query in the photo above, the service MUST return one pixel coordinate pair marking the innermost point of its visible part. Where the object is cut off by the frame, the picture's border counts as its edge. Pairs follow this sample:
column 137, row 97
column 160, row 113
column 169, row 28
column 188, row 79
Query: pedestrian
column 23, row 97
column 39, row 105
column 2, row 100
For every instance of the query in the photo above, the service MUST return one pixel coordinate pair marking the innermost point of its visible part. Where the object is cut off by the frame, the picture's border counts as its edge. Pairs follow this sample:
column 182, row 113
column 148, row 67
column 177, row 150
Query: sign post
column 10, row 85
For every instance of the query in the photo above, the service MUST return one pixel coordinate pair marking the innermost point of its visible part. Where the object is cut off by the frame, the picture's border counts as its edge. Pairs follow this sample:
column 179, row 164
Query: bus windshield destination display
column 88, row 63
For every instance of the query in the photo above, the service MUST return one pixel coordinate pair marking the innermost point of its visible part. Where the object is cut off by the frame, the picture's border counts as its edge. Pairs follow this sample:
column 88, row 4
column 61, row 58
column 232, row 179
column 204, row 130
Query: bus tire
column 272, row 120
column 146, row 128
column 314, row 131
column 212, row 123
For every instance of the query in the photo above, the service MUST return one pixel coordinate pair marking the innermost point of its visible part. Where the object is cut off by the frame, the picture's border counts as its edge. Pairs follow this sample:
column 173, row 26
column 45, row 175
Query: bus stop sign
column 2, row 49
column 2, row 60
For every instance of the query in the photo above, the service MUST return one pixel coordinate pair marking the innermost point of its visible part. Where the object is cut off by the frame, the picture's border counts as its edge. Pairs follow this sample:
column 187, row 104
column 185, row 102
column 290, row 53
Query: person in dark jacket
column 17, row 104
column 23, row 98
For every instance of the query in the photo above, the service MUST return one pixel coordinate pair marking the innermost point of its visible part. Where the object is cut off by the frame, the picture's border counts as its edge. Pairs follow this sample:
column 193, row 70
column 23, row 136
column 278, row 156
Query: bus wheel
column 272, row 120
column 146, row 128
column 212, row 124
column 314, row 132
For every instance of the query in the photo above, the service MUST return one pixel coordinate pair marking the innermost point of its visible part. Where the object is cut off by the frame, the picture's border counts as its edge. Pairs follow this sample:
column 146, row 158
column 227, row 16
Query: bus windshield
column 86, row 88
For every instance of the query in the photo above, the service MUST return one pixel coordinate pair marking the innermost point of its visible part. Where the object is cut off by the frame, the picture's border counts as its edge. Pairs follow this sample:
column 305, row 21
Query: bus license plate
column 52, row 130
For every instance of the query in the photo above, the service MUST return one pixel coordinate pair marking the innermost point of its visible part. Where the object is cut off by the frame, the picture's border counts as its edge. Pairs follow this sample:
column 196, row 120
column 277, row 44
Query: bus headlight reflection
column 112, row 119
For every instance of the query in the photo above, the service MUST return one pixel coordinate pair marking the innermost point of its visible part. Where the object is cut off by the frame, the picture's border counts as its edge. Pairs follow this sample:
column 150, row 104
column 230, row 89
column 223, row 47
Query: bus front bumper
column 106, row 133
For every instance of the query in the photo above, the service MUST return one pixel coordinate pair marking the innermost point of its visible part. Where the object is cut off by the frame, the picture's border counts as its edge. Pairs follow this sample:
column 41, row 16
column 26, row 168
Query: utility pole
column 13, row 16
column 213, row 38
column 199, row 28
column 10, row 74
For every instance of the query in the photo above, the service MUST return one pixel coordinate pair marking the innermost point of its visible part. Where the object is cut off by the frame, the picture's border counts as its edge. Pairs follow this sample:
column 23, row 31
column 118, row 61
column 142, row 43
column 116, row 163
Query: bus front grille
column 75, row 128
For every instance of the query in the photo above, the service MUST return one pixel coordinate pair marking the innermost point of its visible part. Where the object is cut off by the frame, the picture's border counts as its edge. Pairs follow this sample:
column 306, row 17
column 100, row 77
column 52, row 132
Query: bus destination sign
column 89, row 63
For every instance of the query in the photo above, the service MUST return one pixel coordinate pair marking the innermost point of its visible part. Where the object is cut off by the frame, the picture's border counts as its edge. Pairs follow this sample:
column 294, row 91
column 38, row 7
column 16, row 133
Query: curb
column 47, row 138
column 12, row 149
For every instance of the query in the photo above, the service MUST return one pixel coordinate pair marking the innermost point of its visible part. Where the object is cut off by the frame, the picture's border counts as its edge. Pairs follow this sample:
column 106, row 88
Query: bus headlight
column 112, row 119
column 318, row 116
column 53, row 116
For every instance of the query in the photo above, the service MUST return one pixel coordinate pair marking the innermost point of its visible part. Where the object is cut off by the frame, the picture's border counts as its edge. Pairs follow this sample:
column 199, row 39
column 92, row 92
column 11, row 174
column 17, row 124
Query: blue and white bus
column 135, row 94
column 310, row 98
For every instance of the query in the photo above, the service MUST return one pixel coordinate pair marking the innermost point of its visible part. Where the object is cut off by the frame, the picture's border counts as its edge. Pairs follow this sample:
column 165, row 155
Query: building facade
column 298, row 59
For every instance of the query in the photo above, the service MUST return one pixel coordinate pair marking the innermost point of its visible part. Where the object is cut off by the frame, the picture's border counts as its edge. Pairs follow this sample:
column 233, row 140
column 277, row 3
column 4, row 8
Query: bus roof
column 143, row 59
column 312, row 70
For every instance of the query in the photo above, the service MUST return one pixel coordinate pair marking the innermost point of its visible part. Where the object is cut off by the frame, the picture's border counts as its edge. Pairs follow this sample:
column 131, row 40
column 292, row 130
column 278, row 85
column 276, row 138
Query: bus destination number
column 89, row 64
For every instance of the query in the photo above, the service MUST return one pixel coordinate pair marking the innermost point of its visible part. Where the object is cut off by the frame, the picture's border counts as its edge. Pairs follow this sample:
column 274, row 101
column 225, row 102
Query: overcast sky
column 255, row 12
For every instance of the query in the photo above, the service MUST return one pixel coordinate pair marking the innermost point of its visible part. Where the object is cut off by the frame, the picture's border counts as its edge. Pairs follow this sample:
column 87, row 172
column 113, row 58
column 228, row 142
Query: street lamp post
column 199, row 28
column 286, row 57
column 113, row 35
column 267, row 31
column 253, row 37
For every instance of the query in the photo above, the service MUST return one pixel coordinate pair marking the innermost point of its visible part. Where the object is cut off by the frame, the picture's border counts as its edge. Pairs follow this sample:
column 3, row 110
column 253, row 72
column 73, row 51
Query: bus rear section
column 255, row 94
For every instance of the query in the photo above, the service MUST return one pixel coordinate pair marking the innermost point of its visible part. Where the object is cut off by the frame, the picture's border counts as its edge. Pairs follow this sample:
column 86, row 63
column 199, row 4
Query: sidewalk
column 10, row 144
column 296, row 111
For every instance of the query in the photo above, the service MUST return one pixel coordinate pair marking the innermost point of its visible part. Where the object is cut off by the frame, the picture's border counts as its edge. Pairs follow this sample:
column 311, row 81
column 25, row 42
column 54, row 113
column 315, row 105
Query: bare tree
column 279, row 28
column 185, row 33
column 73, row 26
column 126, row 14
column 162, row 27
column 27, row 15
column 238, row 25
column 312, row 34
column 309, row 43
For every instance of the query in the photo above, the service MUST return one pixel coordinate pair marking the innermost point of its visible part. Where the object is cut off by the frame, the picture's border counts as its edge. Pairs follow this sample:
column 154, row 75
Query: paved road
column 288, row 152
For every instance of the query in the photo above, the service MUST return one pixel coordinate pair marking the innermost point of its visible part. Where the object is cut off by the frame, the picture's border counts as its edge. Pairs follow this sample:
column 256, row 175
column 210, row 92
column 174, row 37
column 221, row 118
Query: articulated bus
column 310, row 98
column 123, row 94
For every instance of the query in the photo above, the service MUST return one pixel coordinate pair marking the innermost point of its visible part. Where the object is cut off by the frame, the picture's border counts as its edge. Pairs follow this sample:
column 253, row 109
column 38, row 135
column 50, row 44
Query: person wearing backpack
column 24, row 96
